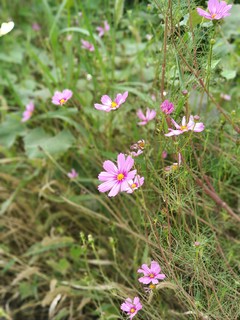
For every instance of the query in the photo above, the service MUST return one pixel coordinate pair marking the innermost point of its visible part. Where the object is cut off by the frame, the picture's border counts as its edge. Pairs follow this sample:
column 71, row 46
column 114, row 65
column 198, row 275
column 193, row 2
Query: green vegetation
column 70, row 252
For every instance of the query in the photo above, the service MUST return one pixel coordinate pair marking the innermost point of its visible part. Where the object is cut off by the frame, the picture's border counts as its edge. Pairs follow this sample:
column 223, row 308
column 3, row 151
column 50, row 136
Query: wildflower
column 150, row 114
column 185, row 92
column 164, row 154
column 135, row 184
column 87, row 45
column 131, row 307
column 217, row 10
column 175, row 165
column 197, row 243
column 104, row 29
column 139, row 145
column 72, row 174
column 109, row 105
column 60, row 98
column 152, row 274
column 136, row 154
column 226, row 97
column 150, row 288
column 196, row 117
column 28, row 111
column 190, row 126
column 36, row 26
column 6, row 27
column 149, row 37
column 167, row 107
column 116, row 178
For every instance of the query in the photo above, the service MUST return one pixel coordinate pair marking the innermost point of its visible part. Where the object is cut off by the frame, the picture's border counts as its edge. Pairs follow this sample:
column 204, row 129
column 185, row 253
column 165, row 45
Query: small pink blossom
column 167, row 107
column 134, row 184
column 60, row 98
column 109, row 105
column 131, row 307
column 151, row 274
column 36, row 26
column 197, row 243
column 150, row 114
column 28, row 111
column 153, row 97
column 164, row 154
column 104, row 29
column 226, row 97
column 87, row 45
column 72, row 174
column 217, row 10
column 175, row 165
column 116, row 178
column 136, row 154
column 196, row 117
column 190, row 126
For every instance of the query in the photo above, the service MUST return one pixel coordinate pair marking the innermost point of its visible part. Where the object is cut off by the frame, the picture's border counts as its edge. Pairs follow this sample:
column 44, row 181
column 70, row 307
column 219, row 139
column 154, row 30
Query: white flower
column 6, row 27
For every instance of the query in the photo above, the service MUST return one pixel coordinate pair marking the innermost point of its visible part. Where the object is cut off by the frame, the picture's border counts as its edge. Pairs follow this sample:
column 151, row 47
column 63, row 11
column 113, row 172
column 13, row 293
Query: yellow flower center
column 183, row 128
column 62, row 101
column 120, row 176
column 174, row 166
column 213, row 15
column 132, row 310
column 152, row 286
column 141, row 145
column 133, row 185
column 113, row 104
column 151, row 275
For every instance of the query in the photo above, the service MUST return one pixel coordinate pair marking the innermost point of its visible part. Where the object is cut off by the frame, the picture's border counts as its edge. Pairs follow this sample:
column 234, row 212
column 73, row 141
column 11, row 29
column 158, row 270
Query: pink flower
column 197, row 243
column 153, row 97
column 72, row 174
column 217, row 10
column 167, row 107
column 116, row 178
column 104, row 29
column 226, row 97
column 135, row 184
column 175, row 165
column 164, row 154
column 150, row 114
column 152, row 274
column 36, row 26
column 60, row 98
column 136, row 154
column 190, row 126
column 87, row 45
column 109, row 105
column 28, row 112
column 131, row 307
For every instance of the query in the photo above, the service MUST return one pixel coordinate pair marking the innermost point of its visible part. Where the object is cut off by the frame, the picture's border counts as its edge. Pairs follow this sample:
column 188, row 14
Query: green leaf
column 10, row 129
column 229, row 74
column 118, row 10
column 37, row 141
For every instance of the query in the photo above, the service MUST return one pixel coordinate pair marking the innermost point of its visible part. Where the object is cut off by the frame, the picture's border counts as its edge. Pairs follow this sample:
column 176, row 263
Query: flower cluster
column 151, row 277
column 192, row 125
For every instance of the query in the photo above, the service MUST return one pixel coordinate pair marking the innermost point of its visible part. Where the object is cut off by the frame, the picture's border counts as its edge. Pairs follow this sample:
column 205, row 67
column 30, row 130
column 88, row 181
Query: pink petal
column 106, row 176
column 143, row 123
column 106, row 100
column 102, row 107
column 174, row 133
column 160, row 276
column 129, row 163
column 140, row 115
column 155, row 268
column 106, row 186
column 144, row 269
column 145, row 280
column 131, row 175
column 109, row 166
column 175, row 124
column 67, row 94
column 136, row 300
column 115, row 190
column 121, row 162
column 198, row 127
column 204, row 14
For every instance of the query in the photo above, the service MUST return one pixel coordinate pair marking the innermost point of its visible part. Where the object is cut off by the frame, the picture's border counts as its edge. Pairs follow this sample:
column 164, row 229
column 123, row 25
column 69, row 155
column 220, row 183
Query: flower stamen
column 62, row 101
column 183, row 128
column 120, row 177
column 214, row 15
column 134, row 185
column 113, row 104
column 151, row 275
column 132, row 310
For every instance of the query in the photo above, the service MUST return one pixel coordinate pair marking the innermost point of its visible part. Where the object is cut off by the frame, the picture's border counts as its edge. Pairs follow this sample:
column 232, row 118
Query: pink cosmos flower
column 217, row 10
column 36, row 26
column 136, row 154
column 28, row 111
column 167, row 107
column 190, row 126
column 226, row 97
column 135, row 184
column 72, row 174
column 164, row 154
column 151, row 274
column 87, row 45
column 150, row 114
column 116, row 178
column 60, row 98
column 109, row 105
column 131, row 307
column 104, row 29
column 175, row 165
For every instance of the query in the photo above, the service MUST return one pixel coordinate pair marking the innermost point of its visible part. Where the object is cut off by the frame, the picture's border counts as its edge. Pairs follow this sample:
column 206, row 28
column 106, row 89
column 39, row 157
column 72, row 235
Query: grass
column 70, row 252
